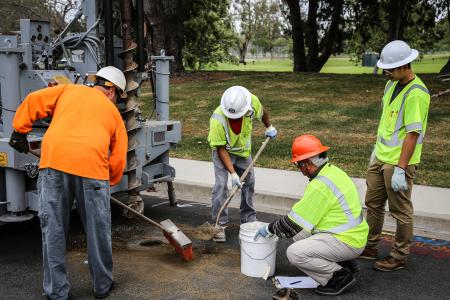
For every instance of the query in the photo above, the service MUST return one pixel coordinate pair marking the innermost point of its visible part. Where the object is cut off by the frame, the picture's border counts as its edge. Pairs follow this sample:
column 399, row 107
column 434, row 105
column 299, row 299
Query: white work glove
column 271, row 132
column 235, row 180
column 373, row 157
column 398, row 181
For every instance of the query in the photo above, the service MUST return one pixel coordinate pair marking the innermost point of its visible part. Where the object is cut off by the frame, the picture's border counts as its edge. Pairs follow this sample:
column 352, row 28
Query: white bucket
column 257, row 257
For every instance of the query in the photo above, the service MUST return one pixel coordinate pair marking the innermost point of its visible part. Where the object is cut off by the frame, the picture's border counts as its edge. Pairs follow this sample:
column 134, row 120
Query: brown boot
column 369, row 253
column 389, row 264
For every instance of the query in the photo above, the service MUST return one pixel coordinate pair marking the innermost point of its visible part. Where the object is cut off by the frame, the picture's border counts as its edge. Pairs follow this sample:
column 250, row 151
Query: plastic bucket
column 257, row 257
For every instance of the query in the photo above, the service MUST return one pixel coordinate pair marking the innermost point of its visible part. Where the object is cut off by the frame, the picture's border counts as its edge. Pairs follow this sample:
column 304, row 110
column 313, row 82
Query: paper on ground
column 298, row 282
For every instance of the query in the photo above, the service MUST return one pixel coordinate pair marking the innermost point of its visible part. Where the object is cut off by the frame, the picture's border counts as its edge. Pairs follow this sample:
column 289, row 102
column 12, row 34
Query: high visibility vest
column 408, row 112
column 221, row 134
column 331, row 204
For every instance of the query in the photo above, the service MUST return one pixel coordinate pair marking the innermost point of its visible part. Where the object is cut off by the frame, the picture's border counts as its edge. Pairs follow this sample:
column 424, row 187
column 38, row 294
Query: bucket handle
column 264, row 258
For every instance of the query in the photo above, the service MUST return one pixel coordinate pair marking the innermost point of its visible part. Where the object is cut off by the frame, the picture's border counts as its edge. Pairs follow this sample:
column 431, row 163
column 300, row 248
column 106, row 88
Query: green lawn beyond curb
column 342, row 110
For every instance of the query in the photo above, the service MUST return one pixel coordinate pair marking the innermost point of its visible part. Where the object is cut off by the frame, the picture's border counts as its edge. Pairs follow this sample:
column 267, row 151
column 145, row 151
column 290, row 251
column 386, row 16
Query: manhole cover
column 150, row 243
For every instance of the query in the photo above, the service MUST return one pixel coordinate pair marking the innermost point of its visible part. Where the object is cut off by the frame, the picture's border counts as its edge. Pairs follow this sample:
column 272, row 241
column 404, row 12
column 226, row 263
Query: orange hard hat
column 306, row 146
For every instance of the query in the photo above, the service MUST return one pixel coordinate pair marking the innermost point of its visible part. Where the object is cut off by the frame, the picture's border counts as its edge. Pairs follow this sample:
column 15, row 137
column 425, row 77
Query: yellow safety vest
column 221, row 134
column 408, row 112
column 331, row 204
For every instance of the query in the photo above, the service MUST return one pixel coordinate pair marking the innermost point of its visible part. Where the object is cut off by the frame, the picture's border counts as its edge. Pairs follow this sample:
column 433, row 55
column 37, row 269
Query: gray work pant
column 57, row 191
column 316, row 255
column 220, row 189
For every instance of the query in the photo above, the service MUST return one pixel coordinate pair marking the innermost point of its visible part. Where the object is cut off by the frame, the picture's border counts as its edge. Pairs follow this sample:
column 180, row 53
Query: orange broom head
column 185, row 251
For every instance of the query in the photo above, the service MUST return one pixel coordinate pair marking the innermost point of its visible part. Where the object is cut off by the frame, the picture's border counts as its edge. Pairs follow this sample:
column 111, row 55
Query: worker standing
column 230, row 139
column 83, row 153
column 397, row 152
column 327, row 224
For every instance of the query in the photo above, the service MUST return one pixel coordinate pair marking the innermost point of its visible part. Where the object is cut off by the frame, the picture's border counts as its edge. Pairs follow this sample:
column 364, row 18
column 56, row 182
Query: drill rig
column 32, row 59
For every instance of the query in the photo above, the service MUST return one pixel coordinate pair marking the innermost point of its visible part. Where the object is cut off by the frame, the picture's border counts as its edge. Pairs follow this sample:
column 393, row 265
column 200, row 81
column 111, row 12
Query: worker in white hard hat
column 230, row 139
column 83, row 153
column 397, row 152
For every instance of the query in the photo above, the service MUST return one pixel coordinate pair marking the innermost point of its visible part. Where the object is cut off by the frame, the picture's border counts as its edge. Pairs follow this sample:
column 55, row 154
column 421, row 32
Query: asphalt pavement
column 146, row 267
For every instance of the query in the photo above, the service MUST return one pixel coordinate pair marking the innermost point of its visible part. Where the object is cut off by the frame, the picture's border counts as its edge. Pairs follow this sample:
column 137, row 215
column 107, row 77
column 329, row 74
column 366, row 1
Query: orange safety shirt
column 87, row 135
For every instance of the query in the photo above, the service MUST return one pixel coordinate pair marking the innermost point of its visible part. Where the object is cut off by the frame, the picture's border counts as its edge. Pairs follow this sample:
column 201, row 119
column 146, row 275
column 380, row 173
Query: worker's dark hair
column 323, row 155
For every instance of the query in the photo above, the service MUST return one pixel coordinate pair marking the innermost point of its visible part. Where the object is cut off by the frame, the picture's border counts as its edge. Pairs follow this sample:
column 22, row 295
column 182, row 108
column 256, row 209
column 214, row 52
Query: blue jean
column 57, row 192
column 220, row 189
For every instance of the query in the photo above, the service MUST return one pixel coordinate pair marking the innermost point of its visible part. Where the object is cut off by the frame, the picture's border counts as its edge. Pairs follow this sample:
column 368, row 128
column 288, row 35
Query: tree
column 375, row 23
column 270, row 27
column 246, row 15
column 319, row 36
column 55, row 11
column 208, row 34
column 165, row 21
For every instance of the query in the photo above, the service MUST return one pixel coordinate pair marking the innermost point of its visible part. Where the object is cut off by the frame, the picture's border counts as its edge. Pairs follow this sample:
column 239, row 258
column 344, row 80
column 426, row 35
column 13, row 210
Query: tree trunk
column 396, row 16
column 165, row 20
column 446, row 68
column 297, row 36
column 328, row 43
column 243, row 52
column 312, row 38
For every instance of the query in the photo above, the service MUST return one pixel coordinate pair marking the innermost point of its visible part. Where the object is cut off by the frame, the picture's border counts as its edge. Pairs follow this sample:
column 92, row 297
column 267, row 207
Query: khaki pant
column 316, row 255
column 379, row 190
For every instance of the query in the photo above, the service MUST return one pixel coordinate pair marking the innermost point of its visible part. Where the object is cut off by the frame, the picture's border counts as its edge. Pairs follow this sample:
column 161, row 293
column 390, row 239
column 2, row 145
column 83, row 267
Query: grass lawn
column 339, row 64
column 342, row 110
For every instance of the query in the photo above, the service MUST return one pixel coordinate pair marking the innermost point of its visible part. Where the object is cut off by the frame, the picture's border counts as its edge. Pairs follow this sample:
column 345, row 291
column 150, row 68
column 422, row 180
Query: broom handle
column 236, row 188
column 139, row 215
column 37, row 154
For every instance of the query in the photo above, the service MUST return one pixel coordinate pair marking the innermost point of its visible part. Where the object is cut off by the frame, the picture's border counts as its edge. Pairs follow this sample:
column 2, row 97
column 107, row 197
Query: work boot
column 105, row 294
column 351, row 264
column 389, row 264
column 369, row 253
column 220, row 236
column 341, row 281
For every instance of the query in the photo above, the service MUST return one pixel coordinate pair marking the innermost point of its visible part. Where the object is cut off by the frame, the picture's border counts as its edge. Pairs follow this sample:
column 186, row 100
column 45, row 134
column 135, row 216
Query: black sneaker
column 341, row 281
column 105, row 294
column 351, row 264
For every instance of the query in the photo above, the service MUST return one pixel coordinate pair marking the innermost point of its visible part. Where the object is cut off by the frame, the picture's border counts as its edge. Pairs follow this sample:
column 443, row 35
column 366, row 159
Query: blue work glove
column 264, row 232
column 235, row 180
column 398, row 181
column 271, row 132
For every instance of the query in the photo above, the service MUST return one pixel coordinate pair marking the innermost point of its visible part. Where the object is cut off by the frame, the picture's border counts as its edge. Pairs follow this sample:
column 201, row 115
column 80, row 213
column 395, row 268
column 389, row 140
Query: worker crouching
column 327, row 224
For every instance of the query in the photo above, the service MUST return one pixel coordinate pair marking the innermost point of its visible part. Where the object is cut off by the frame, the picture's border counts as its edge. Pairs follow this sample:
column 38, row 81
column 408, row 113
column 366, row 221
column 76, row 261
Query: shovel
column 207, row 231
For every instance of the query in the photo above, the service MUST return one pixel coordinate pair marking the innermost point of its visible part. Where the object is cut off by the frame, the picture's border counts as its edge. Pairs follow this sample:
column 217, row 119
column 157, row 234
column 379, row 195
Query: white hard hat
column 396, row 54
column 115, row 76
column 235, row 102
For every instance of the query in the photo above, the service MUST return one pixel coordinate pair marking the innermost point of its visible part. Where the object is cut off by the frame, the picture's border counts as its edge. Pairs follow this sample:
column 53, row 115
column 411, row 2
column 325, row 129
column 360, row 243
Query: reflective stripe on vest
column 351, row 220
column 394, row 141
column 224, row 123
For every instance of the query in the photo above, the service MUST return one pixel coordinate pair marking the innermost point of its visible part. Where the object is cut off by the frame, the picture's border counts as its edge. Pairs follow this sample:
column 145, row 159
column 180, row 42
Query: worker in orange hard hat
column 327, row 225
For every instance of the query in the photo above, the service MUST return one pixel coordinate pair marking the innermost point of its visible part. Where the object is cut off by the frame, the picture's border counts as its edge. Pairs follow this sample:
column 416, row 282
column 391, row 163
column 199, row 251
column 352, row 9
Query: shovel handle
column 235, row 188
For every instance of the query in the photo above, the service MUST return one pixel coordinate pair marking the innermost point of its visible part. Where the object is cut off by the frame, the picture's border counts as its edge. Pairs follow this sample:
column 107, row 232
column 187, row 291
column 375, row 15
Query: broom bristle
column 185, row 252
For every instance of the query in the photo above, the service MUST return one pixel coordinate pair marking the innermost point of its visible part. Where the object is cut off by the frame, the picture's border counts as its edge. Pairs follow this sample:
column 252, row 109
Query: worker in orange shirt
column 83, row 152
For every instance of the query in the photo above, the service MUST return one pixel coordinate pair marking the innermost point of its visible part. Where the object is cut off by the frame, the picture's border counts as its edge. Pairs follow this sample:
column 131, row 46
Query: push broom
column 181, row 243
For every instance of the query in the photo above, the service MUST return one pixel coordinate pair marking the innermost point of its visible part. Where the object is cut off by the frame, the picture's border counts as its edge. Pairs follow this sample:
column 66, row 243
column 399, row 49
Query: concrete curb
column 425, row 224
